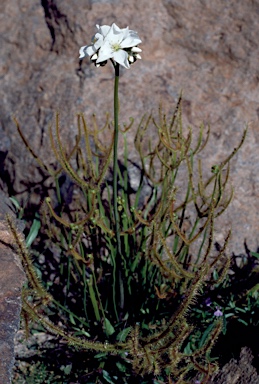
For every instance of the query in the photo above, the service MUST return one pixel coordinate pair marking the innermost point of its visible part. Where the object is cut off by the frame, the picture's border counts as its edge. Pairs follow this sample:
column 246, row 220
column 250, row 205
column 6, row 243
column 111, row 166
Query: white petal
column 130, row 41
column 98, row 40
column 116, row 29
column 115, row 35
column 90, row 50
column 121, row 57
column 105, row 52
column 138, row 56
column 126, row 32
column 104, row 29
column 82, row 52
column 87, row 50
column 134, row 34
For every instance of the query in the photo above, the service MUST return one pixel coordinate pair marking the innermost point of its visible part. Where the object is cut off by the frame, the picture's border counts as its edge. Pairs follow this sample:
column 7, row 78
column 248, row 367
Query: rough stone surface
column 207, row 49
column 239, row 371
column 11, row 280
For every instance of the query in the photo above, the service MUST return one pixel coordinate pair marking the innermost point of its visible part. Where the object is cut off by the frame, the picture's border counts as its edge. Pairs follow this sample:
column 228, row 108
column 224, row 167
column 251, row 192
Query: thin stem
column 115, row 183
column 115, row 150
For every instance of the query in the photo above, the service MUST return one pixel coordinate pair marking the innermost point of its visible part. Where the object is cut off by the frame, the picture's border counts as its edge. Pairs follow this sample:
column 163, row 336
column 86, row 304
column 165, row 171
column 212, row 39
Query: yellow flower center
column 116, row 47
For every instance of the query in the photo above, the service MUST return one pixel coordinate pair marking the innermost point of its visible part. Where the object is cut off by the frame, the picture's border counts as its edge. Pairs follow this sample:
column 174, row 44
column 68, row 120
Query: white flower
column 97, row 41
column 113, row 43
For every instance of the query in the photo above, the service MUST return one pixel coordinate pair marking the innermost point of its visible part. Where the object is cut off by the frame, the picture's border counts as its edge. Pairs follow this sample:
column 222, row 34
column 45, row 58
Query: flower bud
column 94, row 57
column 136, row 49
column 131, row 59
column 138, row 56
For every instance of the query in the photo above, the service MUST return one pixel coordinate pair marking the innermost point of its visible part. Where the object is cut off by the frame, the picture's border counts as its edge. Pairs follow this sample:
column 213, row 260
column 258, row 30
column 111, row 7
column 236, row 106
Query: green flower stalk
column 115, row 180
column 120, row 46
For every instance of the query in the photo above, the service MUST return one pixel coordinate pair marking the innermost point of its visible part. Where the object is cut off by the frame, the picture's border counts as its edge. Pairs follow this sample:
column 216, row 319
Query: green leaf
column 93, row 299
column 81, row 332
column 254, row 291
column 66, row 369
column 122, row 335
column 205, row 335
column 255, row 254
column 241, row 310
column 224, row 329
column 71, row 318
column 215, row 275
column 107, row 377
column 145, row 326
column 188, row 350
column 100, row 355
column 121, row 367
column 33, row 232
column 242, row 321
column 108, row 327
column 15, row 203
column 229, row 314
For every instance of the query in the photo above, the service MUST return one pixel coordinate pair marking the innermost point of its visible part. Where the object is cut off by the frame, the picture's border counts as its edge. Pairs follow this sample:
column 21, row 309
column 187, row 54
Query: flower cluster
column 119, row 45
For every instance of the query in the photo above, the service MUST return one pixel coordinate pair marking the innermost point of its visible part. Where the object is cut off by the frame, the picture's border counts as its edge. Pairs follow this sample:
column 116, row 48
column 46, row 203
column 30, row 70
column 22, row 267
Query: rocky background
column 209, row 50
column 12, row 278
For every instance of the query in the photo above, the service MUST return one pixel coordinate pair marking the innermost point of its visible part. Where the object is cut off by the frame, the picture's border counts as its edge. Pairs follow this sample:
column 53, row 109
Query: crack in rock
column 59, row 27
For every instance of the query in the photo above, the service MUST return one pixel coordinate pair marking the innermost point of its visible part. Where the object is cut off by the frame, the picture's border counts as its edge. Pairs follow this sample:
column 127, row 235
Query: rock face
column 209, row 50
column 11, row 280
column 238, row 372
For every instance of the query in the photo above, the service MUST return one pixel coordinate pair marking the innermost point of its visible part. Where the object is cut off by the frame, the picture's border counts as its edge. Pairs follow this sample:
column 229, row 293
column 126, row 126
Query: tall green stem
column 118, row 261
column 115, row 150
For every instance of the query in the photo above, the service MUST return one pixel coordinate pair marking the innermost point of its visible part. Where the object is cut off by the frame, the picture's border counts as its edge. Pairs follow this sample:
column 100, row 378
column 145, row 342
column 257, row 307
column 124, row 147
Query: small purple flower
column 218, row 313
column 208, row 302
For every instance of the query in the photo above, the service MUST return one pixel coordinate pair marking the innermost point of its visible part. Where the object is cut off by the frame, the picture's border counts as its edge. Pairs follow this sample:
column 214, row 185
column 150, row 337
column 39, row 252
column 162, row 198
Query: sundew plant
column 128, row 262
